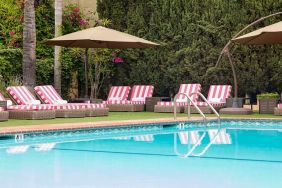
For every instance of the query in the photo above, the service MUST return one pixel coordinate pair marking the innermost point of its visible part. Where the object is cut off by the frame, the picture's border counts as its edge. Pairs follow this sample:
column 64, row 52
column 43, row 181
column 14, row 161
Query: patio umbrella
column 271, row 34
column 99, row 37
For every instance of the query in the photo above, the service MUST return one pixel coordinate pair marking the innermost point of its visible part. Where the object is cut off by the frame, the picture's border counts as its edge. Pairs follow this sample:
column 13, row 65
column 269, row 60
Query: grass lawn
column 116, row 116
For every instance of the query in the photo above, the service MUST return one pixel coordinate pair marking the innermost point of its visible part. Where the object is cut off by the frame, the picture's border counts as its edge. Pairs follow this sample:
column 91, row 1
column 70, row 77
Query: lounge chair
column 181, row 101
column 217, row 96
column 136, row 101
column 4, row 115
column 49, row 95
column 27, row 106
column 278, row 110
column 117, row 95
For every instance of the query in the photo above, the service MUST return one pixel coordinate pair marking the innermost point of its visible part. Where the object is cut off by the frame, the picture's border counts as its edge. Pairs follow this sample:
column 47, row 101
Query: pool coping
column 101, row 124
column 88, row 125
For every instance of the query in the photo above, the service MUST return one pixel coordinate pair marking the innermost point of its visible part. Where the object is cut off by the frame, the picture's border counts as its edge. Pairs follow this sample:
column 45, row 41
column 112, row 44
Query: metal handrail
column 190, row 150
column 188, row 100
column 205, row 100
column 207, row 146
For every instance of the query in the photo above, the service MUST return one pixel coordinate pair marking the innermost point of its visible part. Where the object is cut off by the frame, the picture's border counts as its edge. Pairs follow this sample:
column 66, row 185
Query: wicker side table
column 152, row 101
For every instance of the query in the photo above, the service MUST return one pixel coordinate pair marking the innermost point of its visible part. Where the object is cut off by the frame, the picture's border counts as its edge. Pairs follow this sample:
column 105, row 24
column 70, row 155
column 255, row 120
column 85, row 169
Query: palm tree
column 58, row 32
column 29, row 44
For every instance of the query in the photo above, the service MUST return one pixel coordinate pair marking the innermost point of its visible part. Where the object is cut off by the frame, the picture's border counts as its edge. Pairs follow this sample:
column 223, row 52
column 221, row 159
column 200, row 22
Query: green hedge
column 192, row 34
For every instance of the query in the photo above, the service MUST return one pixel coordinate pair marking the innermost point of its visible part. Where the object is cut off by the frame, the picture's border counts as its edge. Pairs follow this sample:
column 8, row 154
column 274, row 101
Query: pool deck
column 82, row 125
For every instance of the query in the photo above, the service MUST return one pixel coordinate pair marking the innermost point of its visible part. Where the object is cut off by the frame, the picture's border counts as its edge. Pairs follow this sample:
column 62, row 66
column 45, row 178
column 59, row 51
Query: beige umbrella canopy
column 271, row 34
column 100, row 37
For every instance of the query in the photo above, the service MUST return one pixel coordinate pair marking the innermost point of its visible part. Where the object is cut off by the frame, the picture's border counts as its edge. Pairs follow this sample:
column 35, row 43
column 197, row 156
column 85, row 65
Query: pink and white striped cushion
column 47, row 94
column 31, row 107
column 188, row 89
column 279, row 105
column 20, row 94
column 219, row 92
column 119, row 93
column 90, row 106
column 171, row 103
column 181, row 99
column 67, row 106
column 2, row 98
column 117, row 102
column 140, row 92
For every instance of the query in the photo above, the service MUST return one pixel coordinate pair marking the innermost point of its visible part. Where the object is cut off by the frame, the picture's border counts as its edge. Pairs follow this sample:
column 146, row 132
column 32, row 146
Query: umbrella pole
column 85, row 72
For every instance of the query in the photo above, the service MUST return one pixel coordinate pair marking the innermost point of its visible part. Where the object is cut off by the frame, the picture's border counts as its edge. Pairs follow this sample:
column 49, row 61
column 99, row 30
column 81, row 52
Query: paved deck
column 67, row 126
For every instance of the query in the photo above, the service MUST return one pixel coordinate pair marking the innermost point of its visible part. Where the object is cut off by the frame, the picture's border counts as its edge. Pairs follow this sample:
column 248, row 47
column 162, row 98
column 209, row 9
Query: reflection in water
column 193, row 140
column 17, row 149
column 44, row 147
column 219, row 136
column 189, row 137
column 144, row 138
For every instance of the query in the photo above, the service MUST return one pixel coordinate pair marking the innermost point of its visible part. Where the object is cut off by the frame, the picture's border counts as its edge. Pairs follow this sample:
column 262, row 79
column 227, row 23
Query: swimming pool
column 240, row 154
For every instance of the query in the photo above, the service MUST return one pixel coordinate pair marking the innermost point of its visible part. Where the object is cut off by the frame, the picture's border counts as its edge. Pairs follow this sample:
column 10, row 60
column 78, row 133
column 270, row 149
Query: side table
column 150, row 102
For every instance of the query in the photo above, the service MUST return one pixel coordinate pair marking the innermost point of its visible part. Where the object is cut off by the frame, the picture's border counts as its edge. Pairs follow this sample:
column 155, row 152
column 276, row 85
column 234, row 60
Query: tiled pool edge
column 87, row 125
column 102, row 124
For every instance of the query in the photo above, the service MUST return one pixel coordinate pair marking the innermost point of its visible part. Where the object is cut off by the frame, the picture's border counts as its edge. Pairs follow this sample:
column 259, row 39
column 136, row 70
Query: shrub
column 267, row 95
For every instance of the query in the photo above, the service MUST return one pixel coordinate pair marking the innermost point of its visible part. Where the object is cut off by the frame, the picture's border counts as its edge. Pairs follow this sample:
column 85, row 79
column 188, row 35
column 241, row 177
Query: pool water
column 241, row 154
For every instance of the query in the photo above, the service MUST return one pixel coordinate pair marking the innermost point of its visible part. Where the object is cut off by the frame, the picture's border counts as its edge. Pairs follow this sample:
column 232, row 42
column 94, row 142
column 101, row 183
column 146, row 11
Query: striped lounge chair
column 181, row 101
column 117, row 95
column 119, row 102
column 278, row 110
column 4, row 115
column 27, row 106
column 49, row 95
column 217, row 96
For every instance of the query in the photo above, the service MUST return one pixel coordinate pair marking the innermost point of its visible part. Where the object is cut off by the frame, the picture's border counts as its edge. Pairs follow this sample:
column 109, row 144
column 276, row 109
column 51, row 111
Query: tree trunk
column 58, row 32
column 29, row 45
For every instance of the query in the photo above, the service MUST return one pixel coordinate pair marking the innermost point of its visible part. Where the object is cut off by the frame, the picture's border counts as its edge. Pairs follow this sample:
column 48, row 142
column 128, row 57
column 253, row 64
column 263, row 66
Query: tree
column 29, row 44
column 58, row 32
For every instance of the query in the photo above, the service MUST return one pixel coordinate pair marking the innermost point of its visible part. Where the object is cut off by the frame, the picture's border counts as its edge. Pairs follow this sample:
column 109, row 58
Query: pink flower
column 11, row 33
column 83, row 22
column 76, row 10
column 118, row 60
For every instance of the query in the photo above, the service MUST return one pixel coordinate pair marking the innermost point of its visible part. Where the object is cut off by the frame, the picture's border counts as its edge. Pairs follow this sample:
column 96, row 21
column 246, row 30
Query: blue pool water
column 241, row 154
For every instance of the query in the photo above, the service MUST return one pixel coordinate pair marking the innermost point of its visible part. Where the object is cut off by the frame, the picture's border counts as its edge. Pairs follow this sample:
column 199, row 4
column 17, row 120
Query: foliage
column 10, row 24
column 73, row 19
column 267, row 95
column 10, row 63
column 192, row 34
